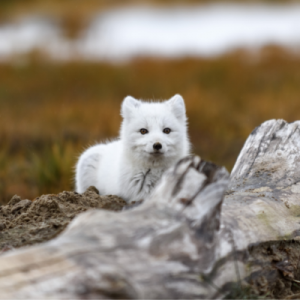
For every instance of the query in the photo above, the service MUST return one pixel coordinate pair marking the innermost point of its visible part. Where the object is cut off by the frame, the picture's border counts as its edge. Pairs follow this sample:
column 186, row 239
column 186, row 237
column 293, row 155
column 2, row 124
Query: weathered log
column 156, row 250
column 262, row 209
column 182, row 242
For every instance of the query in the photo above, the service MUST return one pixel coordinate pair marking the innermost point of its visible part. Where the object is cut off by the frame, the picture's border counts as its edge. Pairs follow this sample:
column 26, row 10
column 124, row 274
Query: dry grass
column 50, row 112
column 14, row 8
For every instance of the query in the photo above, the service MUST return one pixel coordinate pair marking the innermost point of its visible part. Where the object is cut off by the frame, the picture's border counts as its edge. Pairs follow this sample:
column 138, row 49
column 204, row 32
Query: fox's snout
column 157, row 146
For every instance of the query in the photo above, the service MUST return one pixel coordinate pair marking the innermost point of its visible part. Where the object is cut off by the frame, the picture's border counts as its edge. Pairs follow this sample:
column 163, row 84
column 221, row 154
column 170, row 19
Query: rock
column 14, row 200
column 92, row 189
column 23, row 204
column 2, row 226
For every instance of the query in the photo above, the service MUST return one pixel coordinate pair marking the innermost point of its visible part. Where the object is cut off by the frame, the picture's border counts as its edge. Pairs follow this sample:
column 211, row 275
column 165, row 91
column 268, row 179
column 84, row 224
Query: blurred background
column 66, row 65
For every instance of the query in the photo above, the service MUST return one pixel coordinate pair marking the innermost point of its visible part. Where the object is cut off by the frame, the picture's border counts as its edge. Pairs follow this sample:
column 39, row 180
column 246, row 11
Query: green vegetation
column 50, row 112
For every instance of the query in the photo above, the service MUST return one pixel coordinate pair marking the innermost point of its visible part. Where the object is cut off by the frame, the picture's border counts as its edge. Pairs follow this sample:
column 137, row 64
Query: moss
column 295, row 210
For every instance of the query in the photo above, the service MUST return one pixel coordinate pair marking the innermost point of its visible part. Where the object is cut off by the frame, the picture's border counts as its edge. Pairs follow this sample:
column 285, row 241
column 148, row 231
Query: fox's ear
column 177, row 105
column 129, row 104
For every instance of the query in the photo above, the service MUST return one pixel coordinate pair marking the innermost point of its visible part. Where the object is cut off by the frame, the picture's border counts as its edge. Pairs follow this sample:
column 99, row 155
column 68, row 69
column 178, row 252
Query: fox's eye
column 167, row 130
column 143, row 131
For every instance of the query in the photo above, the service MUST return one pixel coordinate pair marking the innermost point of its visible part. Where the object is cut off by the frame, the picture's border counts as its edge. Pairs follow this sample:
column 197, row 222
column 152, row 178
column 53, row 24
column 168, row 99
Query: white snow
column 25, row 36
column 119, row 34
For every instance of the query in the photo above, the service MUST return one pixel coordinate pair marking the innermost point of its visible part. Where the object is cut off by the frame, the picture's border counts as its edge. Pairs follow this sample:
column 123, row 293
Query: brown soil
column 26, row 222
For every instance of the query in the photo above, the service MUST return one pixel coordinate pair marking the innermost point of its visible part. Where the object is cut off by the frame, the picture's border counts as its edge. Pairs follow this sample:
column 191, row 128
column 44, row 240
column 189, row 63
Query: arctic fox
column 153, row 137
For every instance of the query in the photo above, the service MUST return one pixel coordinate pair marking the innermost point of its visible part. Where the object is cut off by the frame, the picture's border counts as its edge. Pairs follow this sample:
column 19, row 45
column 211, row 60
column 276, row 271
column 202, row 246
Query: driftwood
column 184, row 241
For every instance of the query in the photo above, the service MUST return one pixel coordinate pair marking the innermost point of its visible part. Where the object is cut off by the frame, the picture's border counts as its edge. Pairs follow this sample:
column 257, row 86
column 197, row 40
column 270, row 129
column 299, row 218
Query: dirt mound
column 26, row 222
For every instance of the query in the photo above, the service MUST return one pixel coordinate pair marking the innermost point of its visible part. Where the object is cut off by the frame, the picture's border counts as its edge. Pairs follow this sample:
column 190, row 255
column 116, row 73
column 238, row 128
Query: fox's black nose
column 157, row 146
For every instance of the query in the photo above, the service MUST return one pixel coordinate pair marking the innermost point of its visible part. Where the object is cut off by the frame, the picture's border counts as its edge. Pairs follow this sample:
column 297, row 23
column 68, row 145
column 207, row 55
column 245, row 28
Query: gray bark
column 262, row 209
column 183, row 242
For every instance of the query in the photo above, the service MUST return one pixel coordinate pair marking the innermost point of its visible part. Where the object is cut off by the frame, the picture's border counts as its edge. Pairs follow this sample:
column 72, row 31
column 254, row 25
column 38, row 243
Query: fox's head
column 155, row 131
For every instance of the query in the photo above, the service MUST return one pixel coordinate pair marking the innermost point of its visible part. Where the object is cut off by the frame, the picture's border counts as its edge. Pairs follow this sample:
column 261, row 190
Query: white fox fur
column 130, row 166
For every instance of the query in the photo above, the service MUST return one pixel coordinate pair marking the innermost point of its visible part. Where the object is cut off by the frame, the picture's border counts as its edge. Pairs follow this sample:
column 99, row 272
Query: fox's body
column 153, row 137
